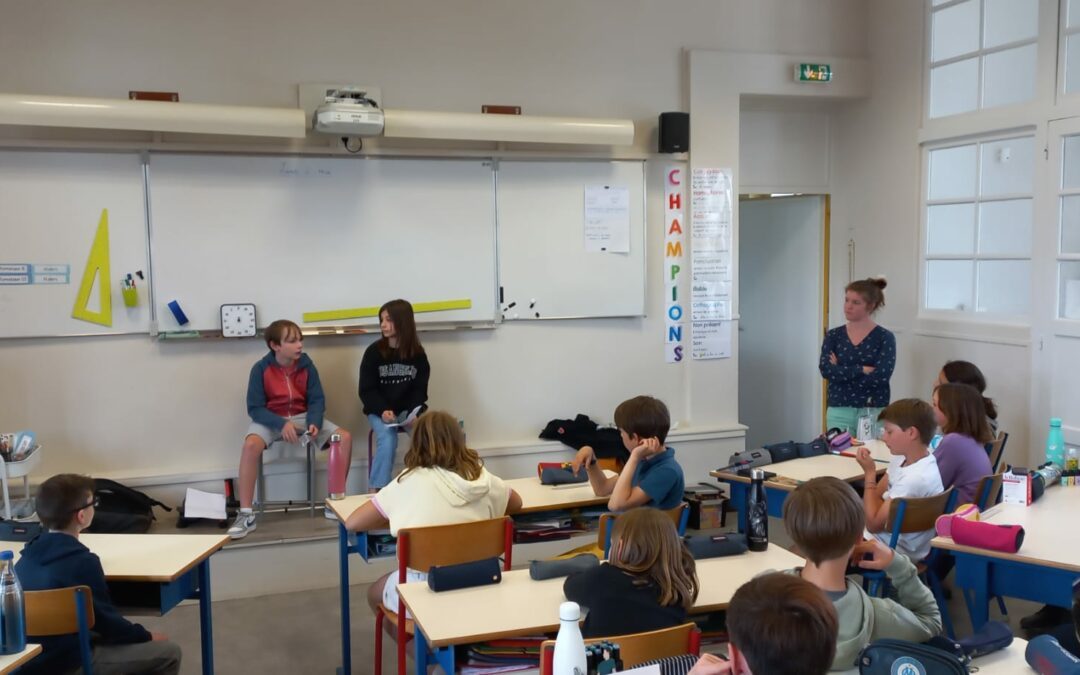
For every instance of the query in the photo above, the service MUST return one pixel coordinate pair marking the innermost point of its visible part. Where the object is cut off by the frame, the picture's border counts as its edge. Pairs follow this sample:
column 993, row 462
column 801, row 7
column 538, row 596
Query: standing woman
column 857, row 359
column 393, row 381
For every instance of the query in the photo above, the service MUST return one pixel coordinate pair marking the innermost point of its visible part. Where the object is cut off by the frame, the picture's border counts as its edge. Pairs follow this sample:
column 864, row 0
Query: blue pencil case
column 559, row 476
column 715, row 546
column 464, row 575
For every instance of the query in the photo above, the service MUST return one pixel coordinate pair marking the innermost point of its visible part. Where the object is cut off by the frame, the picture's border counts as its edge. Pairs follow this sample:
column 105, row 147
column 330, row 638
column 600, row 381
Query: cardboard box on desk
column 1016, row 488
column 706, row 507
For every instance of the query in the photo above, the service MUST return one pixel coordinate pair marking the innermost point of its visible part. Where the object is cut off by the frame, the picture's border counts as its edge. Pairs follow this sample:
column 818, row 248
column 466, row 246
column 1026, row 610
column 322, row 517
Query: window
column 979, row 226
column 1068, row 248
column 1070, row 39
column 983, row 54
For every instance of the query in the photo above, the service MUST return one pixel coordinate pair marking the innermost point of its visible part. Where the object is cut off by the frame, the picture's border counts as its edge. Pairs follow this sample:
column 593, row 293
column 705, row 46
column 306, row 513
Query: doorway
column 783, row 307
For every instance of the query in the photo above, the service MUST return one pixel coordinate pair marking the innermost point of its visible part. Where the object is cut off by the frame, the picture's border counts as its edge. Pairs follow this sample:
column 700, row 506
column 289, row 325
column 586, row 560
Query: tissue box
column 1016, row 488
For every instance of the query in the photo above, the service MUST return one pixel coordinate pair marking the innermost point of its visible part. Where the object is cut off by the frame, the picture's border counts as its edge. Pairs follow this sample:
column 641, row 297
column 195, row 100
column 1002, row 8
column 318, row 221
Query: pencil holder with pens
column 130, row 294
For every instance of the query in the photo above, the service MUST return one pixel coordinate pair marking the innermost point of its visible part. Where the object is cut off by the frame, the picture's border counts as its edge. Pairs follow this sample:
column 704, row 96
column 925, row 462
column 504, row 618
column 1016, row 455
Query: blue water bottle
column 1055, row 443
column 12, row 617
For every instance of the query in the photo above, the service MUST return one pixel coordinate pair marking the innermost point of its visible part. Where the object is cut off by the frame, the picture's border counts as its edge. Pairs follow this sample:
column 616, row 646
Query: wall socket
column 311, row 95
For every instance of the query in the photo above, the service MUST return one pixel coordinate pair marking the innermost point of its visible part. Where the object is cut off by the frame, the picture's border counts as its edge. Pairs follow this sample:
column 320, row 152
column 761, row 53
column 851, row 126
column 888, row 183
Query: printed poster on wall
column 674, row 321
column 711, row 262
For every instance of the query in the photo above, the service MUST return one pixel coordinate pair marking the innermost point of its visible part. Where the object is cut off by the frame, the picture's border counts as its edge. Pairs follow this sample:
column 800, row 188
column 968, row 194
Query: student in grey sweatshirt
column 825, row 519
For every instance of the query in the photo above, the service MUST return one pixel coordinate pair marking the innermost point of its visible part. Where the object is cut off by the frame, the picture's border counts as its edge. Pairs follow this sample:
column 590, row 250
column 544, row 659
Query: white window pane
column 952, row 173
column 1005, row 227
column 1069, row 304
column 1072, row 63
column 1070, row 224
column 1004, row 286
column 954, row 88
column 1009, row 76
column 949, row 284
column 1070, row 165
column 1007, row 167
column 1010, row 21
column 1072, row 19
column 939, row 2
column 955, row 31
column 950, row 229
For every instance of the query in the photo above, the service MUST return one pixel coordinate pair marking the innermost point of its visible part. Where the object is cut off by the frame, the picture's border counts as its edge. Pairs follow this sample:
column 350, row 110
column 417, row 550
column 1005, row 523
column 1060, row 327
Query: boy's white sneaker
column 242, row 526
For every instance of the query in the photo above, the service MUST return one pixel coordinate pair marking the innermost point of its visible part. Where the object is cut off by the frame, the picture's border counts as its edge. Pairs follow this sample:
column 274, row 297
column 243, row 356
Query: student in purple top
column 961, row 455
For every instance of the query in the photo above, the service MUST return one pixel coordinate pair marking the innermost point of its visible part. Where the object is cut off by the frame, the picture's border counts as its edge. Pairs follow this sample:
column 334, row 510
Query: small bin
column 706, row 507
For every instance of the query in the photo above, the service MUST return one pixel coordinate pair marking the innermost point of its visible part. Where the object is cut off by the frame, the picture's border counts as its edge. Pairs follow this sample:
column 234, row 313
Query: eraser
column 181, row 318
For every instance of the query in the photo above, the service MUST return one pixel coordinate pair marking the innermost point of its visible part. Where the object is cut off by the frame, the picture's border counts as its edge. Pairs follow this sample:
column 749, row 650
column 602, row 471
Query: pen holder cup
column 131, row 297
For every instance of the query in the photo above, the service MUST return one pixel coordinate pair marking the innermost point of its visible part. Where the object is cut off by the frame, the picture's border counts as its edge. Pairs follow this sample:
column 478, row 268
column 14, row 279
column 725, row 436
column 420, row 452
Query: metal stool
column 308, row 443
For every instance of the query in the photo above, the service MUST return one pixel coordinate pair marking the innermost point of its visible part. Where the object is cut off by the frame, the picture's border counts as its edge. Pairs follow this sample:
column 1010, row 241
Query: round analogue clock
column 238, row 320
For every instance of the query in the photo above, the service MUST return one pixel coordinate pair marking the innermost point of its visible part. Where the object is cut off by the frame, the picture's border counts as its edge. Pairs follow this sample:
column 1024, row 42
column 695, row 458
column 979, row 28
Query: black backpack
column 122, row 510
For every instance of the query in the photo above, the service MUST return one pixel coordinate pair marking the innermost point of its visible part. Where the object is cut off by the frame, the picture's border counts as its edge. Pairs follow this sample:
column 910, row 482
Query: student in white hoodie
column 444, row 483
column 825, row 520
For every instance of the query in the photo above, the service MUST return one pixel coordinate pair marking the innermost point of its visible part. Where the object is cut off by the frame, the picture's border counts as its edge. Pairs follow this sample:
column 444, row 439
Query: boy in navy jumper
column 285, row 399
column 57, row 559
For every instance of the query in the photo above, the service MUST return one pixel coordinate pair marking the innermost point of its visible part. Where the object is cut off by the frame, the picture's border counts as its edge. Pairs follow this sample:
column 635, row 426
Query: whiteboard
column 302, row 234
column 543, row 261
column 50, row 207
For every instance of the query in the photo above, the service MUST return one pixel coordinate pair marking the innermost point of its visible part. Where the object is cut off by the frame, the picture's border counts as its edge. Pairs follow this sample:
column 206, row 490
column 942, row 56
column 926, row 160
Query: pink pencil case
column 980, row 534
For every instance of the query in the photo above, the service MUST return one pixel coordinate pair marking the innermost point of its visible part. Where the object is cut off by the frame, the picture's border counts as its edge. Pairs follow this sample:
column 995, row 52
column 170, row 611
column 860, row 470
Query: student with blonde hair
column 648, row 583
column 444, row 483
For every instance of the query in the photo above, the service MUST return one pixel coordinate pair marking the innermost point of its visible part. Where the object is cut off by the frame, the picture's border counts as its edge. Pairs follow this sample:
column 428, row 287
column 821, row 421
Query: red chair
column 422, row 548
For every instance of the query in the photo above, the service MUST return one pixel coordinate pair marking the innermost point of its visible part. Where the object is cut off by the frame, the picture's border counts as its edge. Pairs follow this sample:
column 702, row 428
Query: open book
column 404, row 420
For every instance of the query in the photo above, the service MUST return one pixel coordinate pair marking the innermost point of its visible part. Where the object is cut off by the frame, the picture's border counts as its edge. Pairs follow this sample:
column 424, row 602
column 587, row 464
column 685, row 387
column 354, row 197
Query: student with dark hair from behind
column 777, row 624
column 966, row 372
column 57, row 559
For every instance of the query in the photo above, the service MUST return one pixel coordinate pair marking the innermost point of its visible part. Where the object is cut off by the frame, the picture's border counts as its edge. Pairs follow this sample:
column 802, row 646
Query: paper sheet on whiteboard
column 607, row 219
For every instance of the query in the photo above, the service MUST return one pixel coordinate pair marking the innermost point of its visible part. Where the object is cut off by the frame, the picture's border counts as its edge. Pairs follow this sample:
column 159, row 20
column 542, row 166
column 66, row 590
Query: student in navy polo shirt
column 651, row 477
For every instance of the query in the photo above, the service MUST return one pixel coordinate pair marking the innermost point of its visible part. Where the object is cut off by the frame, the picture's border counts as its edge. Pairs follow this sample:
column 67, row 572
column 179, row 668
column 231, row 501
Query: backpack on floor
column 122, row 510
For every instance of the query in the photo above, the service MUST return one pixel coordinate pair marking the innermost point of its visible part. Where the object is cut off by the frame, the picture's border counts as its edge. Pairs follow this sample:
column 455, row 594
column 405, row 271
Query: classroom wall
column 877, row 168
column 131, row 407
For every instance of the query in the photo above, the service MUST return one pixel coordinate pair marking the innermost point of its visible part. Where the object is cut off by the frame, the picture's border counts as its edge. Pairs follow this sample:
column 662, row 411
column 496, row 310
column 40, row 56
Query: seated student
column 961, row 454
column 444, row 483
column 965, row 372
column 913, row 472
column 651, row 476
column 284, row 399
column 825, row 519
column 57, row 559
column 648, row 583
column 777, row 625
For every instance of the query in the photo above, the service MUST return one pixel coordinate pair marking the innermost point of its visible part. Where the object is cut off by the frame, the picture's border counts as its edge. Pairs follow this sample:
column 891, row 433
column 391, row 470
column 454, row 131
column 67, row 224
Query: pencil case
column 980, row 534
column 550, row 569
column 838, row 440
column 552, row 473
column 816, row 447
column 782, row 452
column 715, row 546
column 464, row 575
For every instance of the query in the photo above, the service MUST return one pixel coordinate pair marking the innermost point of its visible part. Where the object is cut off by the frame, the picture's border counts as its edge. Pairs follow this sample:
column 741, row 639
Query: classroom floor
column 299, row 632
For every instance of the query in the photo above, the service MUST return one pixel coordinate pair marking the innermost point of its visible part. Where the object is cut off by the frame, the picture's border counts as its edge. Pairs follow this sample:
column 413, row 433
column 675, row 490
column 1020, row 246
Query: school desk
column 1042, row 571
column 789, row 475
column 153, row 573
column 10, row 662
column 1008, row 661
column 535, row 498
column 520, row 606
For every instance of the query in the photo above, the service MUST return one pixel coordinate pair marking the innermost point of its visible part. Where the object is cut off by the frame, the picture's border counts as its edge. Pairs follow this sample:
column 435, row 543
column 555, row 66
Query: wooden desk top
column 534, row 497
column 803, row 469
column 518, row 605
column 9, row 662
column 159, row 558
column 1008, row 661
column 1050, row 537
column 878, row 450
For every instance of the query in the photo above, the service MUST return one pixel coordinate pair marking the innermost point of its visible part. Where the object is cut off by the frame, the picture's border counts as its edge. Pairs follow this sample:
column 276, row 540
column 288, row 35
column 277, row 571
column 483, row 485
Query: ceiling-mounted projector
column 348, row 112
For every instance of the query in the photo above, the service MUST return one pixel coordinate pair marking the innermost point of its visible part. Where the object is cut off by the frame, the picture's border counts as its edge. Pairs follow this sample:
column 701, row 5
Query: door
column 781, row 309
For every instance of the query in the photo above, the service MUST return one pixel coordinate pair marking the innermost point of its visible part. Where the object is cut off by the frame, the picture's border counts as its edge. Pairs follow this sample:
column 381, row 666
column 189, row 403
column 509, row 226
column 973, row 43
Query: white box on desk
column 1016, row 488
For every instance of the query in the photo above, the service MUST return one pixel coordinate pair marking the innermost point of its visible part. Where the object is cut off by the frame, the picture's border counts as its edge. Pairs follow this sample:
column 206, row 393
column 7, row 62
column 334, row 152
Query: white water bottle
column 569, row 658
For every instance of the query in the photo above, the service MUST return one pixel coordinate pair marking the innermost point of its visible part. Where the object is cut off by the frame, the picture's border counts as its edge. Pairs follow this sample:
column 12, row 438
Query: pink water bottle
column 336, row 469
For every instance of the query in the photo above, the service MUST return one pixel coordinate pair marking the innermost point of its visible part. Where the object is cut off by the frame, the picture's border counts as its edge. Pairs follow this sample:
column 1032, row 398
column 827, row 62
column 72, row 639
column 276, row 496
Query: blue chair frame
column 684, row 518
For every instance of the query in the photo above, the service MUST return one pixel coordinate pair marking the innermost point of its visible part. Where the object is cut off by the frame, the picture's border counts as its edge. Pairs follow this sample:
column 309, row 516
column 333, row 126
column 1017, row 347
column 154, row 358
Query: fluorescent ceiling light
column 192, row 118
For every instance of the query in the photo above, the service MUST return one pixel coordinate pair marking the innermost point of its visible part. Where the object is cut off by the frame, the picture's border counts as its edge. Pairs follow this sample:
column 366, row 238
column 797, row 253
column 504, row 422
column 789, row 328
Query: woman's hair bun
column 880, row 281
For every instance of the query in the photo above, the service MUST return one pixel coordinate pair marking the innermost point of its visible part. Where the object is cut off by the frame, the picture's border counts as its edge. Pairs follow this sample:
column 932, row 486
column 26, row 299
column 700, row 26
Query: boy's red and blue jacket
column 275, row 394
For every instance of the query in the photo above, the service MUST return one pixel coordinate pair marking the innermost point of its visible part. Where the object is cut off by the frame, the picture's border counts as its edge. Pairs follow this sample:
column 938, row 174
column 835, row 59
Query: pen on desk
column 566, row 486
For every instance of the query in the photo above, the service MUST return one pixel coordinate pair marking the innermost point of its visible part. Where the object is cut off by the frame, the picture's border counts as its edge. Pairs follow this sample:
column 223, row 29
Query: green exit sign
column 813, row 72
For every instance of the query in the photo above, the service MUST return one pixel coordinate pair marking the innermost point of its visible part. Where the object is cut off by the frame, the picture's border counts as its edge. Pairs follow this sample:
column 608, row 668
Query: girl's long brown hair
column 962, row 405
column 437, row 440
column 646, row 544
column 408, row 342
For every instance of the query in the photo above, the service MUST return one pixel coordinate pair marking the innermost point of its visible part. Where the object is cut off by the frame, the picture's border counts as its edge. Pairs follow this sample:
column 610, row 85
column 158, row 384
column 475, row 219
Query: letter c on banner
column 673, row 177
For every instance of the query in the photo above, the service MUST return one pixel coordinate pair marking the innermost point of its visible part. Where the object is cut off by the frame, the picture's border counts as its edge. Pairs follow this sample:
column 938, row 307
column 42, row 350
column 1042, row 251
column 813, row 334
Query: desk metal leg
column 343, row 585
column 444, row 656
column 206, row 624
column 973, row 577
